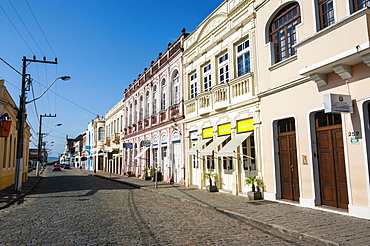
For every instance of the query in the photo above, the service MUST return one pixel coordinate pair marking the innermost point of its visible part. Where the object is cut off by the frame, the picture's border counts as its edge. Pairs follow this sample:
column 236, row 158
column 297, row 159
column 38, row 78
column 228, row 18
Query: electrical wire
column 17, row 30
column 47, row 41
column 26, row 27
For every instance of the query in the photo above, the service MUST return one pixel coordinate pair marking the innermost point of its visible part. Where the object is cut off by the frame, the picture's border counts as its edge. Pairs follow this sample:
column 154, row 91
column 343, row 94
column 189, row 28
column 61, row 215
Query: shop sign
column 127, row 145
column 207, row 132
column 194, row 135
column 224, row 129
column 145, row 143
column 336, row 103
column 245, row 125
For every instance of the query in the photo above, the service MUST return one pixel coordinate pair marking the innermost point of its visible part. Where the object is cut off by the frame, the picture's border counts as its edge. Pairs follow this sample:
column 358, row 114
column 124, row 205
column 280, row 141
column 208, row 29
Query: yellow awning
column 212, row 146
column 230, row 147
column 197, row 146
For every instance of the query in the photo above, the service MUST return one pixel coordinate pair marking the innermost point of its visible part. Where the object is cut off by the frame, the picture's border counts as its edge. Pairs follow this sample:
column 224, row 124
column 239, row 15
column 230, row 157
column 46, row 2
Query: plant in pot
column 257, row 186
column 145, row 174
column 129, row 174
column 209, row 176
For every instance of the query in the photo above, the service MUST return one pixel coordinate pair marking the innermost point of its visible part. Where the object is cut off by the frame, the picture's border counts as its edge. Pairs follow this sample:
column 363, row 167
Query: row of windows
column 138, row 110
column 282, row 30
column 243, row 67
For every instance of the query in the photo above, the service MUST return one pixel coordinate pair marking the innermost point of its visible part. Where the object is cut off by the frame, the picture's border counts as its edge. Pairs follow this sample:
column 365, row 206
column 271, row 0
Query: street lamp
column 64, row 78
column 39, row 146
column 22, row 118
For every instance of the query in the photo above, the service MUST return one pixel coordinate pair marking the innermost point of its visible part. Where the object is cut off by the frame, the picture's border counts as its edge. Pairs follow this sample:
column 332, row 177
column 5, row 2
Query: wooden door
column 288, row 160
column 333, row 181
column 100, row 162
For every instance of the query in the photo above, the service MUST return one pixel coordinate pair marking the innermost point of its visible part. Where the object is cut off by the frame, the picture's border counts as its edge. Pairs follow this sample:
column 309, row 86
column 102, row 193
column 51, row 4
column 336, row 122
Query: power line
column 10, row 65
column 17, row 30
column 26, row 27
column 47, row 41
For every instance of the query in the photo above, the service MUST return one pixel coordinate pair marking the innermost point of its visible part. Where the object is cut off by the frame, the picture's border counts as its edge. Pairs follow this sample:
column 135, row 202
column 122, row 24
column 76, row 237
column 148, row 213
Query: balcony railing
column 174, row 111
column 153, row 120
column 162, row 116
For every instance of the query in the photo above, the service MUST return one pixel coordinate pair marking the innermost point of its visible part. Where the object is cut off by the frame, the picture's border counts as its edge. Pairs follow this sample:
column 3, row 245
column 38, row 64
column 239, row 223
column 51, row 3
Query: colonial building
column 114, row 132
column 221, row 106
column 8, row 140
column 88, row 146
column 153, row 130
column 98, row 143
column 313, row 69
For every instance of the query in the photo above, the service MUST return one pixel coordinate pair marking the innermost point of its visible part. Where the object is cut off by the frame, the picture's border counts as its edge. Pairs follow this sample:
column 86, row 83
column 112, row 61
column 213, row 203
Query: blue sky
column 102, row 44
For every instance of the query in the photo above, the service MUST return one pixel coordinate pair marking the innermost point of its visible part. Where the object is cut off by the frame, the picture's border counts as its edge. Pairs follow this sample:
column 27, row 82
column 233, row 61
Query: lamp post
column 22, row 117
column 39, row 146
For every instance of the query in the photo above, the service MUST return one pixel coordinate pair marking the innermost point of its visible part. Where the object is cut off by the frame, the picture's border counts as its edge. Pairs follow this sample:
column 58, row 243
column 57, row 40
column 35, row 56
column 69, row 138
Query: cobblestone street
column 72, row 208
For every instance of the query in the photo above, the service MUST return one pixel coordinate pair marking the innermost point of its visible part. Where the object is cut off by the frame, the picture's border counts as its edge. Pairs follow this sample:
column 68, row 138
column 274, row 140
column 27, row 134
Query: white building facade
column 222, row 109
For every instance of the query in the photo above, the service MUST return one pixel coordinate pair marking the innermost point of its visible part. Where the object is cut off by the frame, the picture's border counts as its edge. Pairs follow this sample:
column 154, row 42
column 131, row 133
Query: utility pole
column 21, row 119
column 39, row 145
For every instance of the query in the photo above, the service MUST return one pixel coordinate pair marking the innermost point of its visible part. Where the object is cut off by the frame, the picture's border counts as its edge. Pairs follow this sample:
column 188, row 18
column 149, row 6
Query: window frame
column 175, row 88
column 243, row 51
column 331, row 19
column 163, row 95
column 287, row 30
column 223, row 68
column 155, row 94
column 364, row 4
column 193, row 85
column 207, row 77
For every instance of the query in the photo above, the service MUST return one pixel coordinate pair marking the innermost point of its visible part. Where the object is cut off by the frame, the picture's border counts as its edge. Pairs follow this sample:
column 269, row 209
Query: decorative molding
column 284, row 86
column 366, row 59
column 319, row 78
column 344, row 71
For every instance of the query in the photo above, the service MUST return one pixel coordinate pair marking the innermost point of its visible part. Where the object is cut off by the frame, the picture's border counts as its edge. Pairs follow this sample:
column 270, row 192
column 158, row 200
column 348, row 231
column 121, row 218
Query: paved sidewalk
column 8, row 196
column 314, row 225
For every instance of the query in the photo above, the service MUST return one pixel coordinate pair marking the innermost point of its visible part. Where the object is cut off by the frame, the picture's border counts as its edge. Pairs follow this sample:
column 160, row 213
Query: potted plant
column 257, row 186
column 145, row 174
column 210, row 175
column 129, row 173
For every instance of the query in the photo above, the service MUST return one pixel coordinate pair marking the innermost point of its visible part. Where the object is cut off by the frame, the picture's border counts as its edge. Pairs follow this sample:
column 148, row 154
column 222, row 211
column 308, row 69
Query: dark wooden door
column 333, row 181
column 100, row 162
column 288, row 160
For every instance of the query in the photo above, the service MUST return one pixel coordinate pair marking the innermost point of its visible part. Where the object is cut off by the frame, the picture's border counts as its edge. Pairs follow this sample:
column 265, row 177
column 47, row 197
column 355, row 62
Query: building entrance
column 333, row 181
column 289, row 177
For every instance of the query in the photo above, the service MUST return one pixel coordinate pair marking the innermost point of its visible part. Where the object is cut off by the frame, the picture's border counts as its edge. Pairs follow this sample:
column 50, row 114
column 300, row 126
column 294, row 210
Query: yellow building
column 314, row 75
column 221, row 106
column 8, row 144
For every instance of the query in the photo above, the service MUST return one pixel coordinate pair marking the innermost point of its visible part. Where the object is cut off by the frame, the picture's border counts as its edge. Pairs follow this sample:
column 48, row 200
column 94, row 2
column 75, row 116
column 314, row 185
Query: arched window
column 163, row 95
column 147, row 105
column 101, row 134
column 155, row 99
column 141, row 109
column 126, row 118
column 283, row 31
column 4, row 151
column 135, row 113
column 175, row 99
column 130, row 115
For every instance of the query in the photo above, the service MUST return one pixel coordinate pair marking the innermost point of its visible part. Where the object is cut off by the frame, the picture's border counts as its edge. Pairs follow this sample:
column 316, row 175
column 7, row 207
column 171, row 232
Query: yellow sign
column 245, row 125
column 224, row 129
column 207, row 132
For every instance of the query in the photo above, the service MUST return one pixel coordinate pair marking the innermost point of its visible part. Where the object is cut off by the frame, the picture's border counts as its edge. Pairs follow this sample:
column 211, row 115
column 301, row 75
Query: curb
column 293, row 233
column 118, row 181
column 21, row 196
